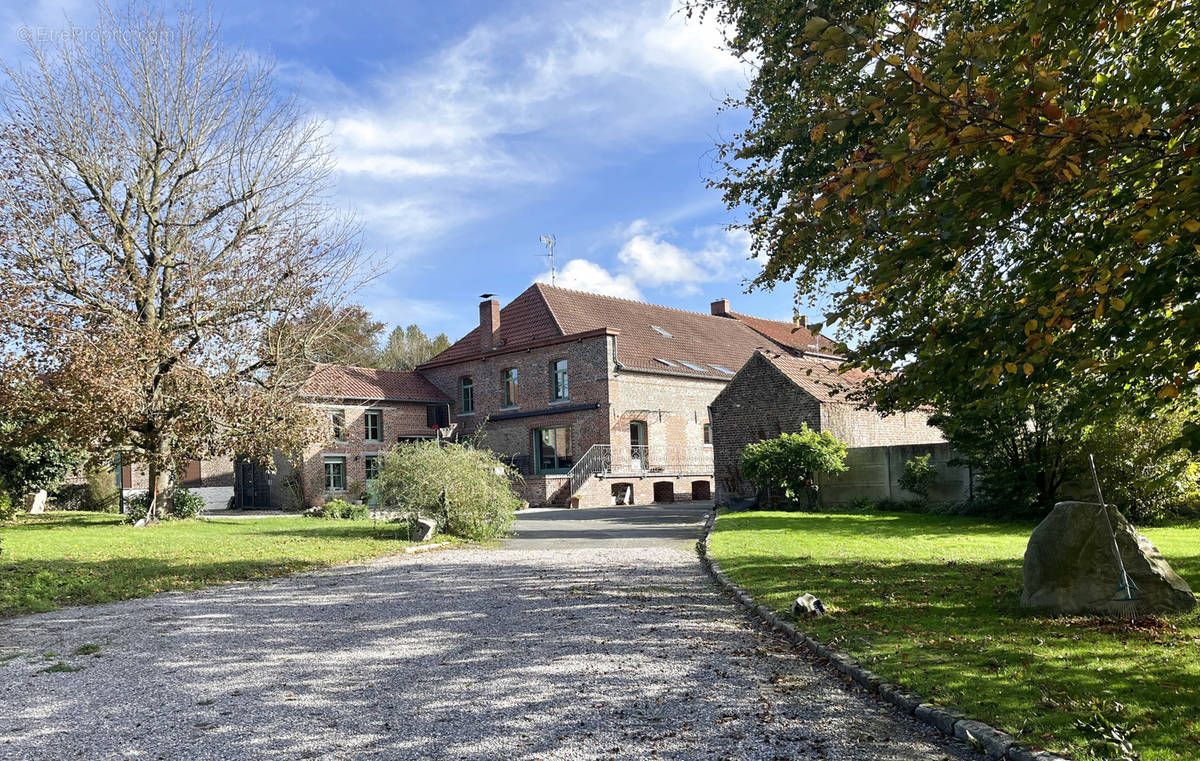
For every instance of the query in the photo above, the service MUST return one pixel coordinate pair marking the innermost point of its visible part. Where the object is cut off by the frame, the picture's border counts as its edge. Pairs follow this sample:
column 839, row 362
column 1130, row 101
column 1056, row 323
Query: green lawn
column 59, row 559
column 932, row 602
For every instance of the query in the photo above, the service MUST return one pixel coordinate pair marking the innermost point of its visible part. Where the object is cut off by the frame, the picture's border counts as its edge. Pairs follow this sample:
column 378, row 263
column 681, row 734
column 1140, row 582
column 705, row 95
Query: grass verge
column 59, row 559
column 933, row 602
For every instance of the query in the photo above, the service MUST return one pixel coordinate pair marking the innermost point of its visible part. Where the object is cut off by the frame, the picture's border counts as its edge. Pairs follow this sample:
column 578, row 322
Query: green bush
column 8, row 509
column 1141, row 468
column 468, row 491
column 860, row 505
column 182, row 504
column 918, row 477
column 341, row 509
column 136, row 506
column 791, row 461
column 178, row 503
column 98, row 494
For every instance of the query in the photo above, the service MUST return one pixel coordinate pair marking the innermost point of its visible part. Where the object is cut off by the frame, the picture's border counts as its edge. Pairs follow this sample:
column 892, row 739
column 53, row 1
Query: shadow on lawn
column 950, row 629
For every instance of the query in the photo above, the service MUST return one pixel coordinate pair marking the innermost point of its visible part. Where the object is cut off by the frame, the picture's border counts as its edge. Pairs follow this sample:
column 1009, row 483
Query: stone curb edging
column 425, row 547
column 986, row 739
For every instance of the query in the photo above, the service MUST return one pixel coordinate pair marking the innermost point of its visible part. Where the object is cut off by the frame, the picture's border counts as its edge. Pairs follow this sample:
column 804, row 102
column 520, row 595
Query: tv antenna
column 549, row 241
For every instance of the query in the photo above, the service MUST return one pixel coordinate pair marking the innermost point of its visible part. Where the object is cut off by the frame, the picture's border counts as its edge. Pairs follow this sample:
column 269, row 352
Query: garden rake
column 1126, row 601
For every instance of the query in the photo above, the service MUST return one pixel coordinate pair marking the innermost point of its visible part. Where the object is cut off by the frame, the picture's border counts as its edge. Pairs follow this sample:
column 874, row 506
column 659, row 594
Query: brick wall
column 399, row 420
column 759, row 403
column 865, row 428
column 674, row 409
column 588, row 364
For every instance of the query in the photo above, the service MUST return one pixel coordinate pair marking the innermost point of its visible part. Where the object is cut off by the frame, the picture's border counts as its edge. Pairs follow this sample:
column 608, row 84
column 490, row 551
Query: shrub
column 182, row 504
column 1141, row 468
column 341, row 509
column 70, row 497
column 918, row 477
column 98, row 494
column 791, row 461
column 8, row 510
column 860, row 505
column 173, row 503
column 136, row 506
column 468, row 491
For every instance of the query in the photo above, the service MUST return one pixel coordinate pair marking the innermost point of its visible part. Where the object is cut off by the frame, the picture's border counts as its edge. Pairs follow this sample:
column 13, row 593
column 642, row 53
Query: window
column 708, row 434
column 466, row 387
column 553, row 447
column 337, row 424
column 512, row 396
column 692, row 366
column 335, row 474
column 372, row 466
column 722, row 369
column 437, row 415
column 662, row 332
column 558, row 379
column 666, row 362
column 373, row 420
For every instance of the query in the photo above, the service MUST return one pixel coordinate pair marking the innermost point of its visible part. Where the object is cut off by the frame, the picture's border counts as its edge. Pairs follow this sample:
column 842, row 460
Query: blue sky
column 463, row 131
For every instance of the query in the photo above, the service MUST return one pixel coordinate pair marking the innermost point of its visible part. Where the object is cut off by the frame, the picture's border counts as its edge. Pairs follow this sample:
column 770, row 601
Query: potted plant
column 357, row 489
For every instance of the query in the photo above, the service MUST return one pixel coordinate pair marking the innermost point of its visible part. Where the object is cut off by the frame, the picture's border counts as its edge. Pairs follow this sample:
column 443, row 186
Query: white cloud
column 585, row 275
column 527, row 100
column 647, row 258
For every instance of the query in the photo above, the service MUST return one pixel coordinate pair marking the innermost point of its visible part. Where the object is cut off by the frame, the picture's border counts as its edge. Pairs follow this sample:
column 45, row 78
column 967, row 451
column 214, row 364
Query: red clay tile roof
column 526, row 320
column 708, row 342
column 788, row 334
column 820, row 377
column 347, row 382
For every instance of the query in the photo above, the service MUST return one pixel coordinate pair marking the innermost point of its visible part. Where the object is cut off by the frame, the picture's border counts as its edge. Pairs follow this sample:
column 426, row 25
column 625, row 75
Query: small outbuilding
column 776, row 393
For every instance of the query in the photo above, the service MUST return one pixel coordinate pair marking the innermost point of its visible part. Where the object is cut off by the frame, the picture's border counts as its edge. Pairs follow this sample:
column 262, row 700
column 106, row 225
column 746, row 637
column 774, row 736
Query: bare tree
column 168, row 256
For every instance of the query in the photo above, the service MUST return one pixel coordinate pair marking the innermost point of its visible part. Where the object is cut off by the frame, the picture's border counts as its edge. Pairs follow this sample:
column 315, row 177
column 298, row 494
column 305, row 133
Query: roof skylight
column 692, row 366
column 662, row 332
column 666, row 362
column 721, row 369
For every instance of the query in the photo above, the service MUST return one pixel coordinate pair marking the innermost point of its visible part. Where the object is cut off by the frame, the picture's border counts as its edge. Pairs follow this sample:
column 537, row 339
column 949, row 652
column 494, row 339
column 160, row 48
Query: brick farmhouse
column 369, row 411
column 601, row 399
column 594, row 400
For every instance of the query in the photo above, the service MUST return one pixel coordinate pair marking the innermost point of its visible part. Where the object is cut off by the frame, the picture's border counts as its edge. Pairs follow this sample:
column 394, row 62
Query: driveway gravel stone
column 597, row 651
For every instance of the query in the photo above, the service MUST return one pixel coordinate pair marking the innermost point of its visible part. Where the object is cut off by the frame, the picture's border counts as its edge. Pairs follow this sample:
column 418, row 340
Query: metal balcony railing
column 639, row 461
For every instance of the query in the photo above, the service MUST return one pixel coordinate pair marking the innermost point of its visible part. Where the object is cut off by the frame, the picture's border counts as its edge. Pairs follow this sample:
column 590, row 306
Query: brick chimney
column 720, row 307
column 802, row 320
column 489, row 324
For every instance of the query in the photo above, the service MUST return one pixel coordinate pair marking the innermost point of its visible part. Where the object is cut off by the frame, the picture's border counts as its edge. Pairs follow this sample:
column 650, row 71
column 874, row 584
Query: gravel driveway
column 568, row 644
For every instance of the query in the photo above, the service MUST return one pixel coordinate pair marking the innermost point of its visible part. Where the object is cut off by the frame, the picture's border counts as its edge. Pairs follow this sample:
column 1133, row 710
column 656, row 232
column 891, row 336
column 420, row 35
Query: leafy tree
column 406, row 348
column 353, row 341
column 1020, row 449
column 1003, row 193
column 791, row 461
column 467, row 490
column 166, row 254
column 34, row 454
column 1139, row 469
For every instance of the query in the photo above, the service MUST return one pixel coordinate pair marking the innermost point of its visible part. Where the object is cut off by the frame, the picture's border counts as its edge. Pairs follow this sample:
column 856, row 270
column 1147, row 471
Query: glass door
column 637, row 445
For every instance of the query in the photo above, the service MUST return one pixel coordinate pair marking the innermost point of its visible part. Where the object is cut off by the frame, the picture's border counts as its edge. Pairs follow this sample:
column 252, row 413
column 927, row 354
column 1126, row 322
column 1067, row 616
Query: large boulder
column 1070, row 566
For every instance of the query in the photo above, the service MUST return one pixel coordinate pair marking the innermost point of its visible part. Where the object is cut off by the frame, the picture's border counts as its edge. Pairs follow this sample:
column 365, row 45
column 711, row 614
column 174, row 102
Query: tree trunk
column 157, row 477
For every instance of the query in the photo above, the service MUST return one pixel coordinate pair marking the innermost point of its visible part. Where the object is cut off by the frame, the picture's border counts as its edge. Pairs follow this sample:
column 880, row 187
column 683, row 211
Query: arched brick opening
column 664, row 491
column 622, row 493
column 701, row 490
